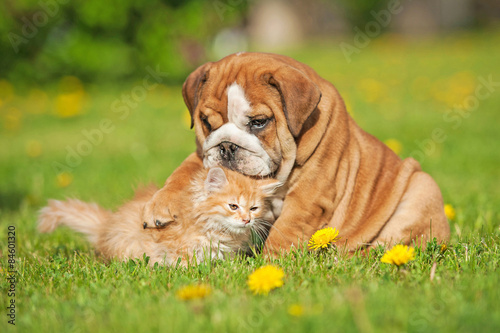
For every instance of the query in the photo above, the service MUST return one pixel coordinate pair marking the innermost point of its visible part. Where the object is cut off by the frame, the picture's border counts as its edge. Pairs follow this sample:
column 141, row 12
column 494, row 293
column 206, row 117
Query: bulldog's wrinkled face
column 248, row 110
column 246, row 141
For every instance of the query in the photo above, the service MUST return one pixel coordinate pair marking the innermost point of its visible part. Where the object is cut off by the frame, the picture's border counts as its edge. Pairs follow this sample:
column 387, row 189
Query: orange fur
column 333, row 173
column 199, row 230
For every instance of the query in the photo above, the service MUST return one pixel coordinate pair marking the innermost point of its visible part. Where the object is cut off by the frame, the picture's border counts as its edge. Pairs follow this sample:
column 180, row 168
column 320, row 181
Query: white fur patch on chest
column 238, row 107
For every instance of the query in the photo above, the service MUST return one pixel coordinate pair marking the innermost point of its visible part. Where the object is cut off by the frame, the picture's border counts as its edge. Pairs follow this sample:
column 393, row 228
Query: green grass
column 394, row 89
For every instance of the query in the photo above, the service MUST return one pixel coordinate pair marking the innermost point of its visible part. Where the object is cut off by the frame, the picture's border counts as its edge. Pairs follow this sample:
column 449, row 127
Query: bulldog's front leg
column 295, row 226
column 282, row 238
column 173, row 199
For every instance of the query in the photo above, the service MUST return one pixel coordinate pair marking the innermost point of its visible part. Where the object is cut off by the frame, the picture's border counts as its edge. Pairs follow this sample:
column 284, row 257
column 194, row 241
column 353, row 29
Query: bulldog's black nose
column 228, row 150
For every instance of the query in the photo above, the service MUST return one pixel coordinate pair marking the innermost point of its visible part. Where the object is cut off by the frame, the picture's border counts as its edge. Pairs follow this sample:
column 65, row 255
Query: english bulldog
column 267, row 115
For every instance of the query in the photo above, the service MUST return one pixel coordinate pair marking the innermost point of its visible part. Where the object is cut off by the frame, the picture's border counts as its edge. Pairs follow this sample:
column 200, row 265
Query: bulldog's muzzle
column 238, row 150
column 227, row 151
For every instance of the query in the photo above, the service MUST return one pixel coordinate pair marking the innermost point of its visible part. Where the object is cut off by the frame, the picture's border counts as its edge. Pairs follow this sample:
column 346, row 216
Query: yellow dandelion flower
column 398, row 255
column 69, row 103
column 443, row 248
column 33, row 148
column 64, row 179
column 265, row 279
column 296, row 310
column 193, row 291
column 449, row 211
column 394, row 145
column 323, row 238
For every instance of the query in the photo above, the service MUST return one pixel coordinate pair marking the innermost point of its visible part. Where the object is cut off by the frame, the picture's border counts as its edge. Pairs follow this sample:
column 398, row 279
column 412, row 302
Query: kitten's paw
column 156, row 213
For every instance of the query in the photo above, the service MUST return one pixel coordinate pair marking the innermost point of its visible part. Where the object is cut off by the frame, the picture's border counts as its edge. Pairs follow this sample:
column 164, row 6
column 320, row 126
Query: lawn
column 397, row 89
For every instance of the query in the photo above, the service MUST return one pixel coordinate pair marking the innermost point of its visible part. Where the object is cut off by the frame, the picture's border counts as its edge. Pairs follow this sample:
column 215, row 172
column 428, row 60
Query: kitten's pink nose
column 246, row 221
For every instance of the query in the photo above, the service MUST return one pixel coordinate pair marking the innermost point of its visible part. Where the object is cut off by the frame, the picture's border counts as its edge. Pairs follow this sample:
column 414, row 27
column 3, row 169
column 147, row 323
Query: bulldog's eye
column 258, row 123
column 204, row 119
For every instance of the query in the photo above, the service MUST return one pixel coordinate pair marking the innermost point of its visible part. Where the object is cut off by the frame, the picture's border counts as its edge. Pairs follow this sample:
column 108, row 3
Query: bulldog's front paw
column 278, row 244
column 272, row 249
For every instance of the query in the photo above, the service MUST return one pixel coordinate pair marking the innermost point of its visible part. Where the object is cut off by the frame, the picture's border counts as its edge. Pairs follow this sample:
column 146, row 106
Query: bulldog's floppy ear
column 299, row 95
column 192, row 87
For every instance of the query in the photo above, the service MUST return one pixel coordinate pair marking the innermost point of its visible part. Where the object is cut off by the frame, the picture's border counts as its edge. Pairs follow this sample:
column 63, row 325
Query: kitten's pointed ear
column 270, row 187
column 216, row 180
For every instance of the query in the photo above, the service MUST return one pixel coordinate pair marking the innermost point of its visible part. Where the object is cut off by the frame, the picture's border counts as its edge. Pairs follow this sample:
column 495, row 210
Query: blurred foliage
column 44, row 40
column 359, row 12
column 108, row 40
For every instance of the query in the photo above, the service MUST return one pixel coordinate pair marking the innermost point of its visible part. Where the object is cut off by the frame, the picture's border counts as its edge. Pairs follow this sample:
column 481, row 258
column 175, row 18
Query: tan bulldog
column 266, row 115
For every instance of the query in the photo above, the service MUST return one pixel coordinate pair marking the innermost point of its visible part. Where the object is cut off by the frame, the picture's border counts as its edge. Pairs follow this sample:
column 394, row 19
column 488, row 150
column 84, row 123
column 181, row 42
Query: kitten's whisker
column 272, row 226
column 260, row 232
column 264, row 230
column 261, row 226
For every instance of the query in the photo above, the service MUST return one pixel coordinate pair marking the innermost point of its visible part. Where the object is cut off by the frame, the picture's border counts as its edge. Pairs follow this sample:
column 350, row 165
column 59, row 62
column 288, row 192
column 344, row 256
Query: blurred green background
column 98, row 41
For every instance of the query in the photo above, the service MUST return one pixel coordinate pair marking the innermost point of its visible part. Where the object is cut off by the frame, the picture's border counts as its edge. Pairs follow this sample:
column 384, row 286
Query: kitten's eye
column 204, row 119
column 233, row 206
column 253, row 209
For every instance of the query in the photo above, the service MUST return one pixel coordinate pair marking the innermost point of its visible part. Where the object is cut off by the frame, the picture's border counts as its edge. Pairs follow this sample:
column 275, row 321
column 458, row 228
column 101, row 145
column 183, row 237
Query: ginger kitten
column 217, row 214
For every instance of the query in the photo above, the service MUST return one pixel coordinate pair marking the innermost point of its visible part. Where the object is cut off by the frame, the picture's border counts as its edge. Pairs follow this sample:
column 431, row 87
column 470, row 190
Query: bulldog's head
column 248, row 111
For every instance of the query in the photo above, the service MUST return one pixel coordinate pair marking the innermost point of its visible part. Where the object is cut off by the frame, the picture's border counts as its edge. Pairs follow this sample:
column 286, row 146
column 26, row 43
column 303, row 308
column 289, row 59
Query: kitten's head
column 233, row 203
column 214, row 216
